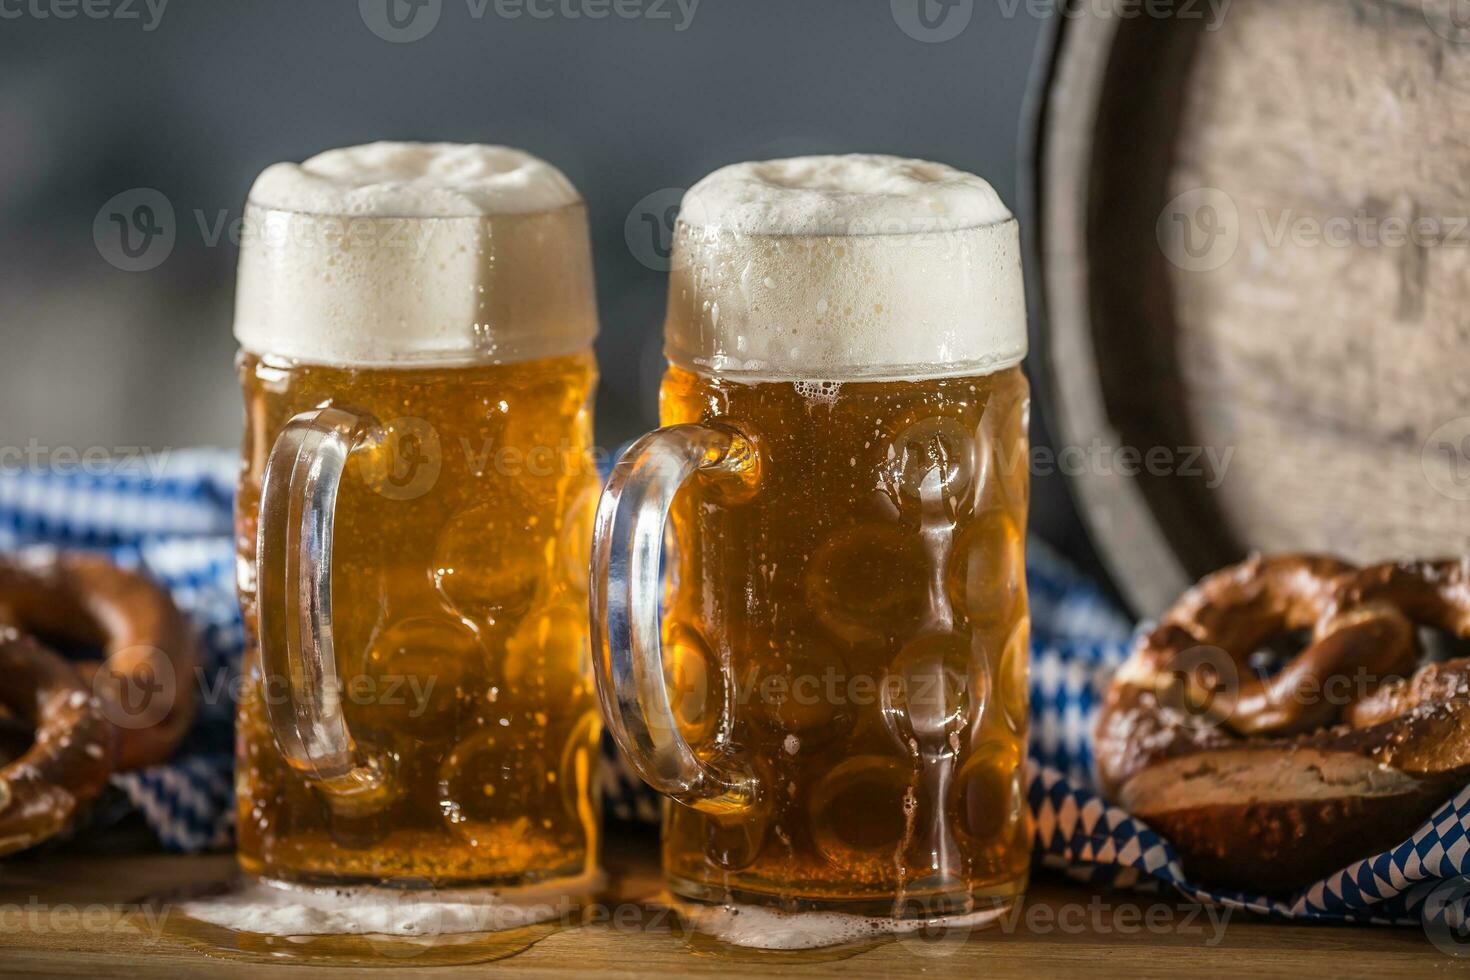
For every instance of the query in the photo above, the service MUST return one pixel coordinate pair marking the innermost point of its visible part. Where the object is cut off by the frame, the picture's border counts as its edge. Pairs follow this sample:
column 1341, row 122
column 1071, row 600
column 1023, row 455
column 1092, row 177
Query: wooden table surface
column 73, row 915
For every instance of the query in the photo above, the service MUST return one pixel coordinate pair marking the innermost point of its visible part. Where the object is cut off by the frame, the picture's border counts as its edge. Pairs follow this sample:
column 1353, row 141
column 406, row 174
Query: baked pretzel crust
column 1270, row 784
column 149, row 649
column 72, row 756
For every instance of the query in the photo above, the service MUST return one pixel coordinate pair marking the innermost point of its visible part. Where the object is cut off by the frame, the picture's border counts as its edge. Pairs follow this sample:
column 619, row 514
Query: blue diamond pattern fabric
column 170, row 514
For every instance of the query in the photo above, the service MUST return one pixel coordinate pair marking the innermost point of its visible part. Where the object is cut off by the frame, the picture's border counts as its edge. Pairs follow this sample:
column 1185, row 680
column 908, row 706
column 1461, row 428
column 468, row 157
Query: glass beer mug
column 414, row 508
column 831, row 685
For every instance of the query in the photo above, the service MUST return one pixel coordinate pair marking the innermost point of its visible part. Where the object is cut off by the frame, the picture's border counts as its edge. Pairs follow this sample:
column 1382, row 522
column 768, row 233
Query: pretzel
column 1268, row 785
column 149, row 649
column 71, row 757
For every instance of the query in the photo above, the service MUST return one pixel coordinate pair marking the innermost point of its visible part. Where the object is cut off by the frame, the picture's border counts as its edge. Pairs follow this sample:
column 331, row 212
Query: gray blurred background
column 192, row 98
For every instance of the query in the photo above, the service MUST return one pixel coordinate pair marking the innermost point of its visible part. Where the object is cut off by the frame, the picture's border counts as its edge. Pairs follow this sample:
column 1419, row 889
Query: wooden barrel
column 1250, row 255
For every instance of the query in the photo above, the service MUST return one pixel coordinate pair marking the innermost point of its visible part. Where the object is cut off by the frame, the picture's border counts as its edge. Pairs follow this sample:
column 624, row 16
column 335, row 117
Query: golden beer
column 461, row 619
column 413, row 518
column 840, row 715
column 868, row 603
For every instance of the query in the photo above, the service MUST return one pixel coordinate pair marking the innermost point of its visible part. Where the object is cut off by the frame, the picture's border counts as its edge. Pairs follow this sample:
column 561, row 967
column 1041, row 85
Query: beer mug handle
column 626, row 588
column 298, row 499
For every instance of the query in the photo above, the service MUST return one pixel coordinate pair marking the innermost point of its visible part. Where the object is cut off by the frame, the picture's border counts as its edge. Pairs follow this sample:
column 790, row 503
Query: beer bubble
column 818, row 392
column 490, row 559
column 857, row 812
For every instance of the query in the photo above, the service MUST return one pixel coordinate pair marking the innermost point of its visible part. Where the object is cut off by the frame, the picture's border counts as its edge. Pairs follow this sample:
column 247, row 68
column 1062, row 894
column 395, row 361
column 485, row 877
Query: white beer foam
column 754, row 927
column 274, row 908
column 857, row 194
column 407, row 254
column 845, row 268
column 415, row 180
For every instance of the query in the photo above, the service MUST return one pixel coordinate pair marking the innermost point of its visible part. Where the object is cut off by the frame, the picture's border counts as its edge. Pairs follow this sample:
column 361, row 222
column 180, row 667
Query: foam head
column 408, row 254
column 845, row 268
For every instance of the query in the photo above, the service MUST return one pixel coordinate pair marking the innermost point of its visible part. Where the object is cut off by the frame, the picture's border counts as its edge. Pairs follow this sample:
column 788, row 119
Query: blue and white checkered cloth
column 171, row 516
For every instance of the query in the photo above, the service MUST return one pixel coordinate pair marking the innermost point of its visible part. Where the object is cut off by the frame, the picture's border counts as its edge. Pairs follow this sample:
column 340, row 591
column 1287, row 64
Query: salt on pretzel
column 71, row 757
column 148, row 647
column 1268, row 785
